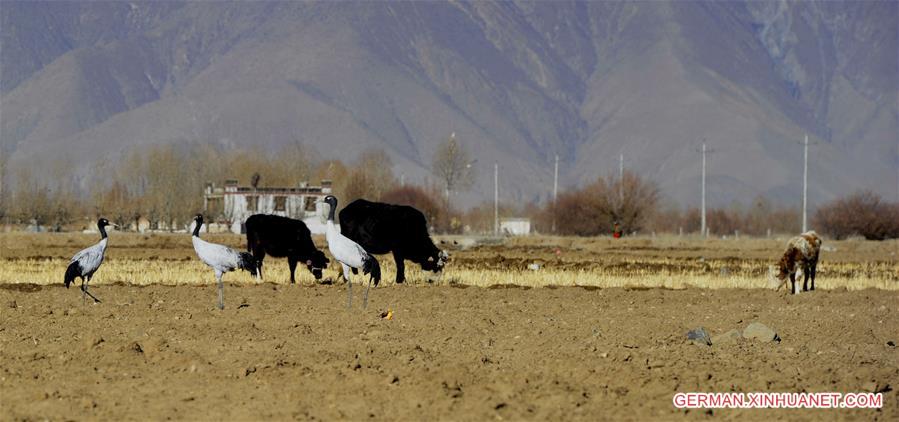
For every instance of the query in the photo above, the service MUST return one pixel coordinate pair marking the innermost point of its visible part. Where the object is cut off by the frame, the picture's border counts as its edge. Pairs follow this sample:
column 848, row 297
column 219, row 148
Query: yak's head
column 316, row 263
column 435, row 262
column 775, row 278
column 249, row 263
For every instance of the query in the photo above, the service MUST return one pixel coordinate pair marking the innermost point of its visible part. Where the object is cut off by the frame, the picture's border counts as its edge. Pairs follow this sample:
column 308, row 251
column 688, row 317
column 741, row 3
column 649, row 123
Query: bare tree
column 113, row 203
column 452, row 165
column 596, row 208
column 863, row 213
column 337, row 172
column 631, row 199
column 372, row 176
column 417, row 197
column 292, row 164
column 31, row 199
column 171, row 198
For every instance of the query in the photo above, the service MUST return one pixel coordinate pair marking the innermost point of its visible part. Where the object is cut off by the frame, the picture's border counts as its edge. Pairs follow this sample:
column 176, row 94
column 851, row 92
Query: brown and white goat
column 801, row 255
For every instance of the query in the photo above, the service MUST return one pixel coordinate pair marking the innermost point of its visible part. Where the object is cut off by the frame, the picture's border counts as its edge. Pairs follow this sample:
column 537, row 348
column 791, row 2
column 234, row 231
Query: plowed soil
column 447, row 353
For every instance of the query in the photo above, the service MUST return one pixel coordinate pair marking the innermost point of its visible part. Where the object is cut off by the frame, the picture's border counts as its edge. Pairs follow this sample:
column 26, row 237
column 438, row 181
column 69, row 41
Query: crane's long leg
column 218, row 277
column 349, row 285
column 365, row 295
column 84, row 292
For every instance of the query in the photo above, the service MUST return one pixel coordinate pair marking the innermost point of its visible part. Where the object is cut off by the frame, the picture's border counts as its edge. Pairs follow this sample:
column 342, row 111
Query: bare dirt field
column 450, row 351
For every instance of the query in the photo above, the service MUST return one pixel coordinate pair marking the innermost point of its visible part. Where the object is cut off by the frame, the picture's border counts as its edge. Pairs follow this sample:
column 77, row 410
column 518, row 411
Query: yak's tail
column 371, row 266
column 246, row 261
column 72, row 272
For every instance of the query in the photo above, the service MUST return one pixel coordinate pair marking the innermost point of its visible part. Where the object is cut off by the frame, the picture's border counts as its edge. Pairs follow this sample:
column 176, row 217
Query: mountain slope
column 518, row 83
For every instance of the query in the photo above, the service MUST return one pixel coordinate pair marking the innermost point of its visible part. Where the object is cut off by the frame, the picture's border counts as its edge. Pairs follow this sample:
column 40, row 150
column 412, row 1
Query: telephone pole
column 555, row 192
column 805, row 184
column 621, row 177
column 702, row 224
column 495, row 198
column 704, row 228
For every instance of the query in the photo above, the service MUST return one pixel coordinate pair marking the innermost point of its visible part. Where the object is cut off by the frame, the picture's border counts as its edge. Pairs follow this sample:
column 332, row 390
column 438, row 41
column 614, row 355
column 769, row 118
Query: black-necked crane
column 221, row 258
column 350, row 255
column 86, row 262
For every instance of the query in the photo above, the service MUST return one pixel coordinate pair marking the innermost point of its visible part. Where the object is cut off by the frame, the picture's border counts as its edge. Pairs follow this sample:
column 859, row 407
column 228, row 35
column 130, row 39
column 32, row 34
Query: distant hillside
column 518, row 82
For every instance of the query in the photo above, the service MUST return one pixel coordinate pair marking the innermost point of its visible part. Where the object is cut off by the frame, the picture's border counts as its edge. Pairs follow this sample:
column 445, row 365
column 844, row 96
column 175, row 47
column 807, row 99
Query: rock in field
column 758, row 331
column 728, row 337
column 699, row 336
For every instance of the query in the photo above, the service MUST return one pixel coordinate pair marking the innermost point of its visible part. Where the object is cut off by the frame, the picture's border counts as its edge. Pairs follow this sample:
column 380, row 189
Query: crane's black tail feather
column 246, row 261
column 72, row 272
column 370, row 266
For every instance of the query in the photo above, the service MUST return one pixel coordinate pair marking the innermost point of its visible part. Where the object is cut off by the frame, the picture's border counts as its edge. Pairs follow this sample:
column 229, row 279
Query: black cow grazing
column 383, row 228
column 281, row 236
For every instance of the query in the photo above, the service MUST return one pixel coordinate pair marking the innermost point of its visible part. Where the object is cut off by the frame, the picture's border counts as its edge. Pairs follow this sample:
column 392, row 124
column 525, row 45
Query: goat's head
column 775, row 279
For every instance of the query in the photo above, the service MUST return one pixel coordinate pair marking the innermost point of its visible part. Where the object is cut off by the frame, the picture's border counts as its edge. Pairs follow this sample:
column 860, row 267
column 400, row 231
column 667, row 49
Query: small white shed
column 515, row 226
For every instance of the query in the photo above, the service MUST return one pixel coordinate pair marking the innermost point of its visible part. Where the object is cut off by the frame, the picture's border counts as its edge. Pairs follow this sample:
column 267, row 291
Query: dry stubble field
column 596, row 333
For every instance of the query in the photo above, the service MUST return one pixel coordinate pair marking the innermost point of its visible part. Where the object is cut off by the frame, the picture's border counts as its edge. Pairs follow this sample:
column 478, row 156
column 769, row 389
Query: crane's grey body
column 350, row 255
column 220, row 258
column 87, row 261
column 343, row 249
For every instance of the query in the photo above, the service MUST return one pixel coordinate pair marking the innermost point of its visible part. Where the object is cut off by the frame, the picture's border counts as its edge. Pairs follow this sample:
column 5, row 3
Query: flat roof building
column 233, row 204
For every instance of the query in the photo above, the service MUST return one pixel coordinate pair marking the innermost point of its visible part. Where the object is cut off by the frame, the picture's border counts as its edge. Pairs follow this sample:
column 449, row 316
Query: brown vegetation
column 418, row 198
column 758, row 219
column 863, row 213
column 371, row 176
column 596, row 208
column 452, row 165
column 164, row 184
column 663, row 261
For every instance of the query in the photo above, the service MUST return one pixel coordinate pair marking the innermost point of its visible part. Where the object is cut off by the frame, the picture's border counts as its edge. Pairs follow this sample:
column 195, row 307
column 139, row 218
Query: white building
column 515, row 226
column 233, row 204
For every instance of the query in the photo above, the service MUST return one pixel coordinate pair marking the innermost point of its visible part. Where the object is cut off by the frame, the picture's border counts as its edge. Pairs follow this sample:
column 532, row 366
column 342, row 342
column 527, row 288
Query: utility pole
column 495, row 198
column 555, row 192
column 805, row 184
column 702, row 225
column 621, row 177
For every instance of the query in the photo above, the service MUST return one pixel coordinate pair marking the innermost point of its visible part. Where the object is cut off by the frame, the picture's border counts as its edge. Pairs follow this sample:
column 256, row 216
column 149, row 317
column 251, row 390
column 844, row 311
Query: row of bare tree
column 165, row 183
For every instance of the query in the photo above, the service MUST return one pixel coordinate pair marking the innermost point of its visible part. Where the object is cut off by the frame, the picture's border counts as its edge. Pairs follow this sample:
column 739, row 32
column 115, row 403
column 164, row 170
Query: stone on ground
column 699, row 336
column 758, row 331
column 728, row 337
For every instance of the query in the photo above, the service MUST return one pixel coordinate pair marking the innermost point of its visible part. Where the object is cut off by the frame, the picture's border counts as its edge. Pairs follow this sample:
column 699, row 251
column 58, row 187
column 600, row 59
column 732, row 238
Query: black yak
column 383, row 228
column 284, row 237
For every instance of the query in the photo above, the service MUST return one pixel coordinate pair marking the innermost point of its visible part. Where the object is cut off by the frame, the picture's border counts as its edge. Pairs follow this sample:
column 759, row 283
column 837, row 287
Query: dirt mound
column 295, row 352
